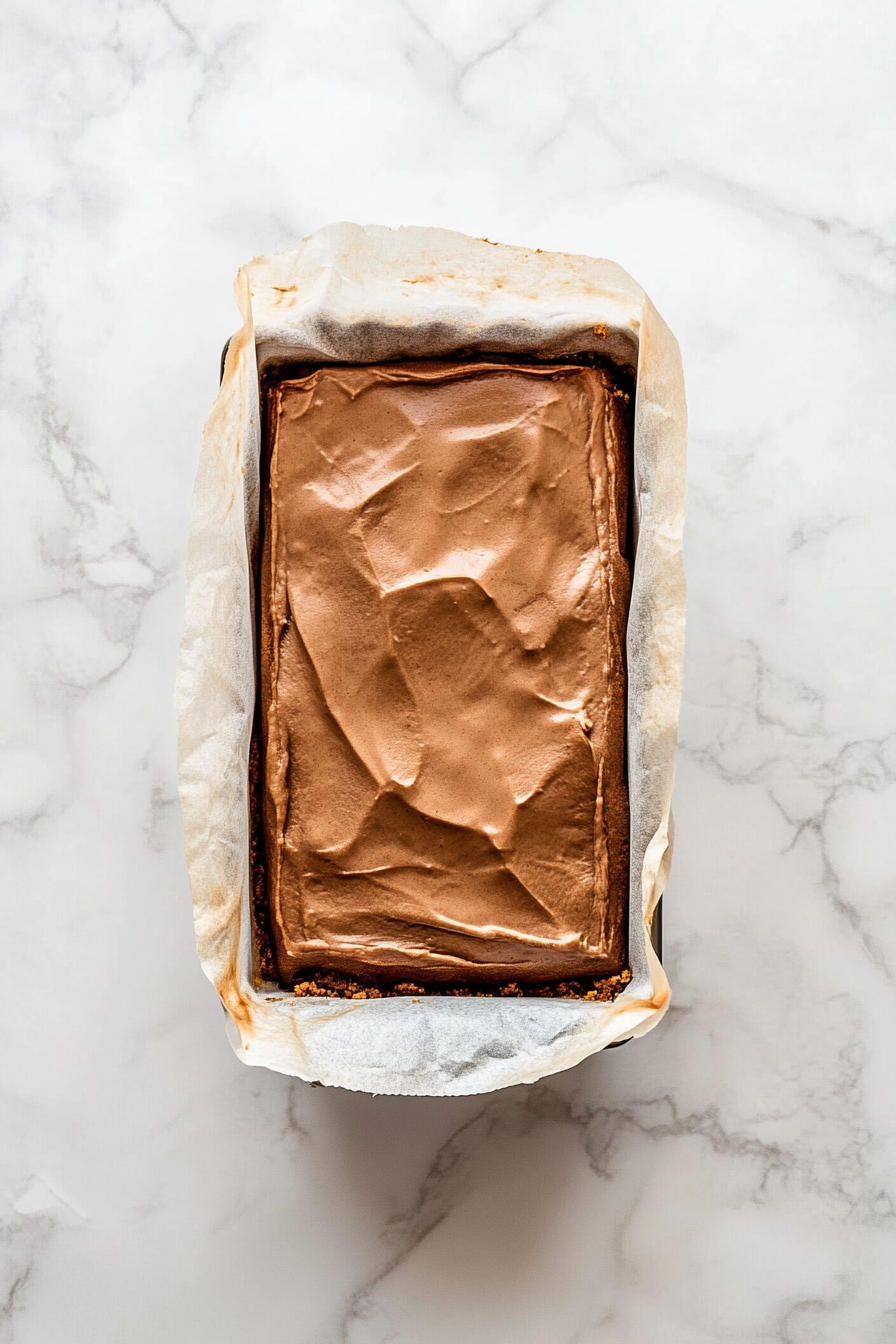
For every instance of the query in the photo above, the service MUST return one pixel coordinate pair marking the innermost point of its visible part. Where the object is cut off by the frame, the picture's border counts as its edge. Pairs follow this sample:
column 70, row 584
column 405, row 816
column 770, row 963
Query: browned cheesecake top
column 443, row 610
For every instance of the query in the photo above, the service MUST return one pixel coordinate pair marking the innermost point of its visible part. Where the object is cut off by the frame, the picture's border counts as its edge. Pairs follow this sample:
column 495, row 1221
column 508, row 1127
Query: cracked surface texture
column 444, row 598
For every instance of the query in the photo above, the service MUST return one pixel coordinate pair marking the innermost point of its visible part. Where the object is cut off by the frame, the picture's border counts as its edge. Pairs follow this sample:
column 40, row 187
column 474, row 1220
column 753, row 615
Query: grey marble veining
column 732, row 1177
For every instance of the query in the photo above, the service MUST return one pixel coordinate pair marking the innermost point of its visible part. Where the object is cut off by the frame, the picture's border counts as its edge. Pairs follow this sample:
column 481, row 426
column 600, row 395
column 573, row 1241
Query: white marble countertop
column 729, row 1178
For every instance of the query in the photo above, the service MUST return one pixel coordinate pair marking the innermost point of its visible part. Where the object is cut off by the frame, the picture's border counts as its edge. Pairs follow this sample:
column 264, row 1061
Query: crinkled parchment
column 361, row 295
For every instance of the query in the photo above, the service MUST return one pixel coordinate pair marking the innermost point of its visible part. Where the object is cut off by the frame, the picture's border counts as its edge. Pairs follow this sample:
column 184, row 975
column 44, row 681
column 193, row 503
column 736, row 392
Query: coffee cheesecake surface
column 443, row 595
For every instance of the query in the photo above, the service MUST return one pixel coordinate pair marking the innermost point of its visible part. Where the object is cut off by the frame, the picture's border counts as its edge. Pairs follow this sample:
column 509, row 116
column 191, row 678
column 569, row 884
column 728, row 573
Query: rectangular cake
column 442, row 601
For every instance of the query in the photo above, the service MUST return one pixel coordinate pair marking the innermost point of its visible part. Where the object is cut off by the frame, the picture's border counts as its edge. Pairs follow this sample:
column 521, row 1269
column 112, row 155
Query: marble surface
column 729, row 1178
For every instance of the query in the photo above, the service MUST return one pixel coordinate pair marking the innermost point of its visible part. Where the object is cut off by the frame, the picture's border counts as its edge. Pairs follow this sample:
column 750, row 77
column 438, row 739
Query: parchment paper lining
column 355, row 294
